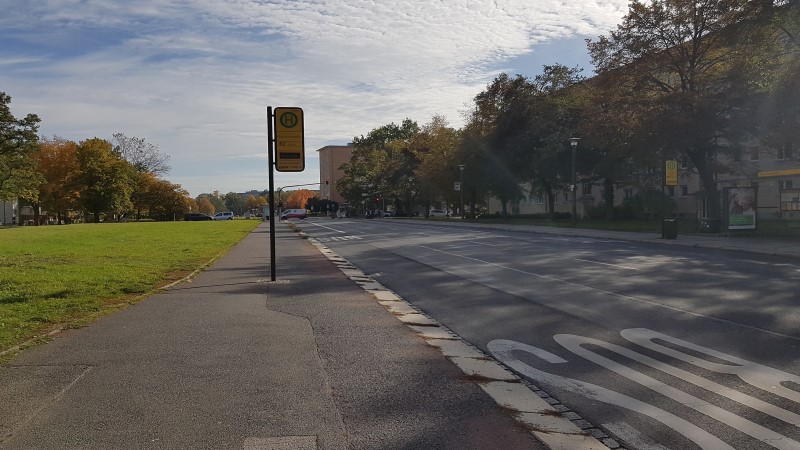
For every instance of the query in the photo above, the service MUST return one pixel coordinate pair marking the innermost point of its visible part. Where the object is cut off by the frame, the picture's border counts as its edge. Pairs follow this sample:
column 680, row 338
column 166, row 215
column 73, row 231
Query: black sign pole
column 271, row 195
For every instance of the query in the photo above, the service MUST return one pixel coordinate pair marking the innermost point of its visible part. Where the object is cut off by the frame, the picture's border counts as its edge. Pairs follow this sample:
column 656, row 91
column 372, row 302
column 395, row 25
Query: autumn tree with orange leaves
column 299, row 198
column 56, row 159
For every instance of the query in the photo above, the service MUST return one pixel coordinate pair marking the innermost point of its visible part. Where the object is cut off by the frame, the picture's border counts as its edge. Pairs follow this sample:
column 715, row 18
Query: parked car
column 197, row 216
column 437, row 213
column 293, row 214
column 225, row 215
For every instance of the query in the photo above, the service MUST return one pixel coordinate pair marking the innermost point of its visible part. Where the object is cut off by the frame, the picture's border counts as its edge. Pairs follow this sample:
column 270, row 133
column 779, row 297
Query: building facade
column 774, row 173
column 331, row 158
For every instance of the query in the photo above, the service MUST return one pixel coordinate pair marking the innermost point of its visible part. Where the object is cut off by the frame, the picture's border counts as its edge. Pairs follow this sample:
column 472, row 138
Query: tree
column 298, row 199
column 18, row 139
column 382, row 162
column 436, row 148
column 204, row 205
column 234, row 203
column 161, row 199
column 105, row 181
column 57, row 161
column 693, row 63
column 255, row 202
column 143, row 155
column 215, row 199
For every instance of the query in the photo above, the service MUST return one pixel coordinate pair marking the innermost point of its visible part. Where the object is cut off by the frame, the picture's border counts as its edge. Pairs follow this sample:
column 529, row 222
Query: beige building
column 331, row 157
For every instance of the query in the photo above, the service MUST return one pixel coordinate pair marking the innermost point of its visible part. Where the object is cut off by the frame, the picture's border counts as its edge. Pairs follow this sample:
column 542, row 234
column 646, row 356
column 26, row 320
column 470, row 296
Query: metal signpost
column 285, row 153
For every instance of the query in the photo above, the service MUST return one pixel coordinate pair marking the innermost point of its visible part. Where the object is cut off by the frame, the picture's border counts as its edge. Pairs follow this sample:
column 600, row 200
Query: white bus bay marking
column 501, row 349
column 760, row 376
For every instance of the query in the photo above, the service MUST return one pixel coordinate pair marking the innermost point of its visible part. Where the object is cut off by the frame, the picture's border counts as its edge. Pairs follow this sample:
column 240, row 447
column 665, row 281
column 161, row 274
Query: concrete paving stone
column 516, row 396
column 550, row 423
column 417, row 319
column 559, row 441
column 399, row 308
column 434, row 332
column 487, row 370
column 281, row 443
column 388, row 296
column 458, row 348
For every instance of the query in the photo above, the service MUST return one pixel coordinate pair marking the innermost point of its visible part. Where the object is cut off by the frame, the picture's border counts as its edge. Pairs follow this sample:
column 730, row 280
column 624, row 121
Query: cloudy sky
column 194, row 77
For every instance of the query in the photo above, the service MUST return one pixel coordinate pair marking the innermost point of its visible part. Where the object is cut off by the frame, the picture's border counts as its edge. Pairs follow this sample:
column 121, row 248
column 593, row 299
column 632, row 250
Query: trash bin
column 669, row 229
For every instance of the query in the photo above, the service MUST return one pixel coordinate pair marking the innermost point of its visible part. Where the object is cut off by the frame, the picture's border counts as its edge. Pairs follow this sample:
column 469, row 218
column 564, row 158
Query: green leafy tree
column 382, row 163
column 696, row 66
column 18, row 139
column 235, row 203
column 436, row 147
column 105, row 180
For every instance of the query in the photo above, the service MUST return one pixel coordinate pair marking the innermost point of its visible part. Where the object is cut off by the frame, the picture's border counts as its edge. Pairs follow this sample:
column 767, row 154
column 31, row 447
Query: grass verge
column 57, row 277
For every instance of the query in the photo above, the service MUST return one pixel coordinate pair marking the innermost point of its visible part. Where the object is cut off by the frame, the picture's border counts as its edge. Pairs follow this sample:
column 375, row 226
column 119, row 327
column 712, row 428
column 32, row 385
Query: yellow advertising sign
column 289, row 140
column 671, row 173
column 779, row 173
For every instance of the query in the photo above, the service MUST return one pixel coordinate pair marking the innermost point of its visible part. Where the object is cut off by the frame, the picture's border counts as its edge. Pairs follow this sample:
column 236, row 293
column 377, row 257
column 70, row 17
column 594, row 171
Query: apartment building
column 331, row 157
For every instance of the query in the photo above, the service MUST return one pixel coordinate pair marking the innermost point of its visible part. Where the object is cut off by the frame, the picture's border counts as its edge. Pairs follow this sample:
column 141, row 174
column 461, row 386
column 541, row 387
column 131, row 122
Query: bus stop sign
column 289, row 140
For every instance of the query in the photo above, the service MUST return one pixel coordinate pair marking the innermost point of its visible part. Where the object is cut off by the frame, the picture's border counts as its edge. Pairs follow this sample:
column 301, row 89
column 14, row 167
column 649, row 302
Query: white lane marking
column 762, row 377
column 501, row 349
column 616, row 294
column 326, row 227
column 574, row 344
column 606, row 264
column 484, row 243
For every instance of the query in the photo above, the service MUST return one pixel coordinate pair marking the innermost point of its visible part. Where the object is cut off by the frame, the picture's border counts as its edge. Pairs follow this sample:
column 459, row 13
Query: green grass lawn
column 66, row 276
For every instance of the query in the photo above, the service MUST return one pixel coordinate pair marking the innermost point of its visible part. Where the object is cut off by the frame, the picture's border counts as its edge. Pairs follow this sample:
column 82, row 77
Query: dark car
column 197, row 216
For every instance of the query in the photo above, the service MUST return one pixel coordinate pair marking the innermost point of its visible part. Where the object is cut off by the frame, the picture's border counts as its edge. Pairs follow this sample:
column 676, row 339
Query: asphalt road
column 662, row 346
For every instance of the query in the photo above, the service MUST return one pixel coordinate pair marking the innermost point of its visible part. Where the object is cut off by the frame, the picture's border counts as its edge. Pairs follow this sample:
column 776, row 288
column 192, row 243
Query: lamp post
column 461, row 187
column 574, row 143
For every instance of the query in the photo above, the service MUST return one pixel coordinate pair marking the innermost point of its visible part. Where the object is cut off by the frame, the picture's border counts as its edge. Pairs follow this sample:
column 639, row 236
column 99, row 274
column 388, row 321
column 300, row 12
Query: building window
column 754, row 154
column 785, row 185
column 628, row 193
column 785, row 152
column 684, row 191
column 587, row 188
column 684, row 163
column 670, row 191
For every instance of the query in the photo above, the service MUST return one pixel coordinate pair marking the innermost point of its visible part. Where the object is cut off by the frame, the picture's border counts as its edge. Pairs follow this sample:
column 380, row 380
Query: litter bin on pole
column 669, row 229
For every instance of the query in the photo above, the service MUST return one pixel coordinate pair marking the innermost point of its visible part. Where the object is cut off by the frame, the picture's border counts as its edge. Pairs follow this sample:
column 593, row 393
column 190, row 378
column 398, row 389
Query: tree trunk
column 551, row 201
column 608, row 197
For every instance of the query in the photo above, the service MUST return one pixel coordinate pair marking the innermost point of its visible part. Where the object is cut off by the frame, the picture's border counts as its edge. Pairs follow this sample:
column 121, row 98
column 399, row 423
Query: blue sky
column 194, row 77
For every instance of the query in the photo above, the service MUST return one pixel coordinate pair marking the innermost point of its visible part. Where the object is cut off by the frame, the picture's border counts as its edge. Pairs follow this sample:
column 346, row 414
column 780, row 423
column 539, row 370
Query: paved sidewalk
column 231, row 360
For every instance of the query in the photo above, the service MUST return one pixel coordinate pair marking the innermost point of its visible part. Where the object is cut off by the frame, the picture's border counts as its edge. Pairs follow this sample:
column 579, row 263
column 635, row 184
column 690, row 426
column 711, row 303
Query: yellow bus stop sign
column 289, row 140
column 671, row 173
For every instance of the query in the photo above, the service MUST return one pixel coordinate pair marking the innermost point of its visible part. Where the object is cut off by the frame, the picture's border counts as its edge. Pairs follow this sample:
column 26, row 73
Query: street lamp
column 461, row 188
column 574, row 143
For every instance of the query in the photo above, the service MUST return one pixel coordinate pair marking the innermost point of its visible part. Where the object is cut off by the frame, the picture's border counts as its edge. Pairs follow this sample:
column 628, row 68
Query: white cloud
column 195, row 76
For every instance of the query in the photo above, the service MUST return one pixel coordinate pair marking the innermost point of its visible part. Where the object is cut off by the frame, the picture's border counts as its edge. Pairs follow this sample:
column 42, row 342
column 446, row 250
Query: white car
column 293, row 214
column 225, row 215
column 437, row 213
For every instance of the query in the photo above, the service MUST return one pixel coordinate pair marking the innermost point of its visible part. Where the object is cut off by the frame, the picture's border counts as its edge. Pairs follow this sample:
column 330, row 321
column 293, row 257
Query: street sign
column 671, row 178
column 289, row 140
column 457, row 186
